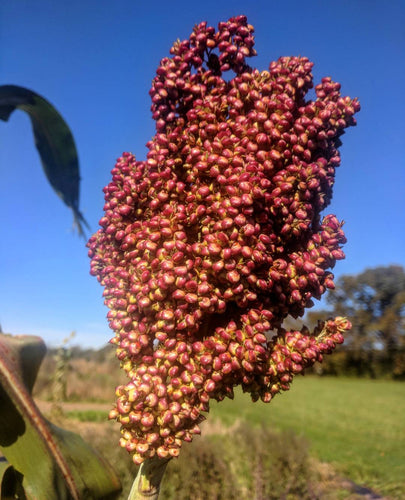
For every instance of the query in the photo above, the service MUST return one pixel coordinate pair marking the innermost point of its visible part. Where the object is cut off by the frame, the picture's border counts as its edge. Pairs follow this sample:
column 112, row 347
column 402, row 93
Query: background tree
column 374, row 301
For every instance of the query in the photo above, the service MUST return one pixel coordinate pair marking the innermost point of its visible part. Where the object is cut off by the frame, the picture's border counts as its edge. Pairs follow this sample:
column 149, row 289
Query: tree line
column 374, row 302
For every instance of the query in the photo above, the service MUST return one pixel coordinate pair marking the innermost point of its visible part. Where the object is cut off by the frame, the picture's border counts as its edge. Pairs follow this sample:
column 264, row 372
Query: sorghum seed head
column 214, row 239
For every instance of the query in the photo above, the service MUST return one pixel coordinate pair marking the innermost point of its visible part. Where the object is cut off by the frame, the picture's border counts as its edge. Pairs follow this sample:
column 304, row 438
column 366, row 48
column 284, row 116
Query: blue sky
column 95, row 59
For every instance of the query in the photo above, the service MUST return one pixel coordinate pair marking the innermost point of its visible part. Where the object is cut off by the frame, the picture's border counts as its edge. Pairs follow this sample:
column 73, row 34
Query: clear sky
column 95, row 59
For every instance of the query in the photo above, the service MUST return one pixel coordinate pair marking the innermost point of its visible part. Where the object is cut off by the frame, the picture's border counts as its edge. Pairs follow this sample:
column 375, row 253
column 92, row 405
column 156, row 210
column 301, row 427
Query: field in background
column 354, row 425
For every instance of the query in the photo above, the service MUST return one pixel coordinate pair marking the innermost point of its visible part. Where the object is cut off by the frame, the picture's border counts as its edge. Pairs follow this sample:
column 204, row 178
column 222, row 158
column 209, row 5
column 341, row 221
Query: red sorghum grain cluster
column 209, row 244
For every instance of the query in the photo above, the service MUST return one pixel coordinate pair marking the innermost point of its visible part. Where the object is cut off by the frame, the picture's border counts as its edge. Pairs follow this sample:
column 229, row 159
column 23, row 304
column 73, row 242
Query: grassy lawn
column 356, row 425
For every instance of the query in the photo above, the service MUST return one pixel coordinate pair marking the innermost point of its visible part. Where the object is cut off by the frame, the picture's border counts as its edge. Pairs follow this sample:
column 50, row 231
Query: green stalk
column 147, row 482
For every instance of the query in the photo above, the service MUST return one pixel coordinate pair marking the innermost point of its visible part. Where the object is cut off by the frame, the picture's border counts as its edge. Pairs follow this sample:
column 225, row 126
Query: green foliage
column 48, row 462
column 374, row 302
column 53, row 140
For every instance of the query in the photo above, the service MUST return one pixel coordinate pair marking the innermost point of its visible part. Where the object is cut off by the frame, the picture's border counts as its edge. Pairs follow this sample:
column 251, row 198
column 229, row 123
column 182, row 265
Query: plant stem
column 147, row 482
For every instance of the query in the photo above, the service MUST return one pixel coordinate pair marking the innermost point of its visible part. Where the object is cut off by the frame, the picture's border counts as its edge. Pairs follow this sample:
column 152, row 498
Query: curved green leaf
column 93, row 475
column 53, row 140
column 55, row 464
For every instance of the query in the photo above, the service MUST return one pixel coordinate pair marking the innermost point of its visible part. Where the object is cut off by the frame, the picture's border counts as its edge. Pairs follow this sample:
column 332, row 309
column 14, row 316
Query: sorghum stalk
column 212, row 241
column 147, row 482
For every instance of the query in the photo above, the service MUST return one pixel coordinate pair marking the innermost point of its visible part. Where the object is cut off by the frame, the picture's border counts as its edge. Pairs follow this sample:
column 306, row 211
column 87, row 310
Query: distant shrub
column 247, row 463
column 91, row 376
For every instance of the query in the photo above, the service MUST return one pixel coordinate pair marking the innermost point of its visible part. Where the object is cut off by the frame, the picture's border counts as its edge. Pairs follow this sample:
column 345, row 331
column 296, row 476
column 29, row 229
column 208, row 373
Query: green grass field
column 356, row 425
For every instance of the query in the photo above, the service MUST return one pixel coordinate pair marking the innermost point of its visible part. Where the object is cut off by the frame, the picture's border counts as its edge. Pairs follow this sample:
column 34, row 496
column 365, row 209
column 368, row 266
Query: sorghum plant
column 39, row 460
column 212, row 241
